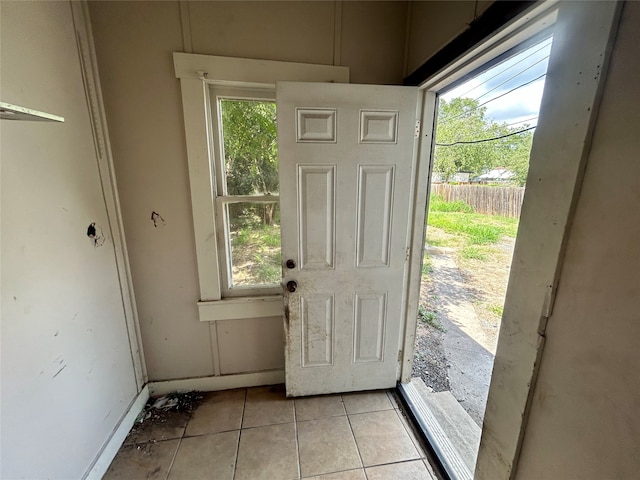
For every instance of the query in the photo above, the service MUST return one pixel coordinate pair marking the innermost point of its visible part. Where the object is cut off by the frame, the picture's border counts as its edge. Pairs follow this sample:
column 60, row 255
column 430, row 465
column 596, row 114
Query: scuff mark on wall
column 157, row 220
column 58, row 372
column 95, row 233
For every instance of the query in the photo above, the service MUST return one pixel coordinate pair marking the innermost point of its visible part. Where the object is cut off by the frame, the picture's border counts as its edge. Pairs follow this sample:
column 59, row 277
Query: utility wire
column 522, row 121
column 506, row 69
column 485, row 139
column 447, row 120
column 511, row 78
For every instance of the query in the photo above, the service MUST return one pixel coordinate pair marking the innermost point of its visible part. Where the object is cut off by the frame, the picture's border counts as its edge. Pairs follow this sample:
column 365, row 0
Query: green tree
column 463, row 120
column 251, row 151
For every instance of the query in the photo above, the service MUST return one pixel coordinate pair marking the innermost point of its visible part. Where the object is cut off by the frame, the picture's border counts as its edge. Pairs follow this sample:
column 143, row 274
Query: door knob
column 291, row 264
column 291, row 286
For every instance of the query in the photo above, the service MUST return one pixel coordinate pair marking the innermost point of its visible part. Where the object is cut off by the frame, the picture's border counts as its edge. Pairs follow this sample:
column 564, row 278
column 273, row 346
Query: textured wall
column 67, row 373
column 134, row 43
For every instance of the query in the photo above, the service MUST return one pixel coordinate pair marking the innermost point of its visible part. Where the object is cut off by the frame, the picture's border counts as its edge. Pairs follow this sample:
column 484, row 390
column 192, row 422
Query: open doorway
column 484, row 132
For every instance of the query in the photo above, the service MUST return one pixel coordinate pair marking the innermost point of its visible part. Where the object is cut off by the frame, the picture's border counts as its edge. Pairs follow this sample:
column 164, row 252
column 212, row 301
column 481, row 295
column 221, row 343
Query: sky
column 521, row 104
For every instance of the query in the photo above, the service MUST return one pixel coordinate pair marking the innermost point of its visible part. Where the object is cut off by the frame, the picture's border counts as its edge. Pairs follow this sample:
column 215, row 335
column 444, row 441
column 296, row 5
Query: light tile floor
column 258, row 433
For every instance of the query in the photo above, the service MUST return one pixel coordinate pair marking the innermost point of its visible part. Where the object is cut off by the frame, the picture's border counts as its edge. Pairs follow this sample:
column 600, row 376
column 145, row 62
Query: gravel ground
column 486, row 288
column 429, row 361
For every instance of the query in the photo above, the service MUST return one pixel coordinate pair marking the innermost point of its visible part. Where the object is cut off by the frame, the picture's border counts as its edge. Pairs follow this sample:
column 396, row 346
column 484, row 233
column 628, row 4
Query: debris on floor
column 156, row 407
column 169, row 411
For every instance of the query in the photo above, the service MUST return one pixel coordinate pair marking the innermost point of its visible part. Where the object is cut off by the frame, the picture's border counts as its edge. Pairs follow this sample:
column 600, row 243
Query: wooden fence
column 505, row 201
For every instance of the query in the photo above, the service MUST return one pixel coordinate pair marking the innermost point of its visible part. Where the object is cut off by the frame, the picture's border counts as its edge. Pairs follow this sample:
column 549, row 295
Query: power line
column 485, row 139
column 511, row 78
column 522, row 121
column 492, row 99
column 506, row 69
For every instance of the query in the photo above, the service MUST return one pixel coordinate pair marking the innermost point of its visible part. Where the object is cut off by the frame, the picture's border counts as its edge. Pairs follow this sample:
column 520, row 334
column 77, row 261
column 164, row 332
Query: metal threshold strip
column 444, row 450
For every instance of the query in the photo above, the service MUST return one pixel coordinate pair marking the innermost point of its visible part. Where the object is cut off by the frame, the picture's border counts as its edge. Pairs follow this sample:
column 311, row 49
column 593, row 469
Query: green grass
column 256, row 254
column 430, row 318
column 437, row 242
column 479, row 229
column 268, row 269
column 438, row 204
column 495, row 308
column 473, row 252
column 270, row 237
column 427, row 265
column 242, row 238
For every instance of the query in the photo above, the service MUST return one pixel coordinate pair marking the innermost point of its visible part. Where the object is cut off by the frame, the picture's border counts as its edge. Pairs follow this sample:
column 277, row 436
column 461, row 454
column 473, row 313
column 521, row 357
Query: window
column 233, row 283
column 247, row 202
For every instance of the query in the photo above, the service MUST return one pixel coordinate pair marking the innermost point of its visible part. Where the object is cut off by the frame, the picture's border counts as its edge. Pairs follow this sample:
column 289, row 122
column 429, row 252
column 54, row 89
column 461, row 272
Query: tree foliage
column 250, row 146
column 462, row 119
column 251, row 156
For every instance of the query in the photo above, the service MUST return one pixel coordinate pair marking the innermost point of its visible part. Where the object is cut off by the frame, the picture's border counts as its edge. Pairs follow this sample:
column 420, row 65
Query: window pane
column 250, row 137
column 254, row 231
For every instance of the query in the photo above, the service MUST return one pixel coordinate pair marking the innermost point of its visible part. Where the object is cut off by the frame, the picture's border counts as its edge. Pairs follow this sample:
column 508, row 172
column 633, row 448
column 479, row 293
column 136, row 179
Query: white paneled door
column 347, row 156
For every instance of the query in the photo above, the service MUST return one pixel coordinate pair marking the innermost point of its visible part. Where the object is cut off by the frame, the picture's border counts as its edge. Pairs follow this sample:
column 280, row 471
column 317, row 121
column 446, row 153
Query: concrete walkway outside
column 468, row 350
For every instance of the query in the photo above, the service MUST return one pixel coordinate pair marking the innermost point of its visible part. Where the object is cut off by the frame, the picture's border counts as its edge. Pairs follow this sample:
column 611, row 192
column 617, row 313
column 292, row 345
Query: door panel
column 317, row 320
column 346, row 156
column 375, row 195
column 316, row 216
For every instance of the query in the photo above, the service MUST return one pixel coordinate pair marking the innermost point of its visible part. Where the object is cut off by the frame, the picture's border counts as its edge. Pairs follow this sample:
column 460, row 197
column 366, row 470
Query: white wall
column 134, row 43
column 67, row 372
column 584, row 420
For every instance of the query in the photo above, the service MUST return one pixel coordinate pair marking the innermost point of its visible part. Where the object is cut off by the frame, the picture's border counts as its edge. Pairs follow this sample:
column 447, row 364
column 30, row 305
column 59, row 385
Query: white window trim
column 196, row 74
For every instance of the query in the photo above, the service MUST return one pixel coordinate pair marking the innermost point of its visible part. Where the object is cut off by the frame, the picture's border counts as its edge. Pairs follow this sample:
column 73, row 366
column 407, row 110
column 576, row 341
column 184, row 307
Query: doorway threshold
column 450, row 432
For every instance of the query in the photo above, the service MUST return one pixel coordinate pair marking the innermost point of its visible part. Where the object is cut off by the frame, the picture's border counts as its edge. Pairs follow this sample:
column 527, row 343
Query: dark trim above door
column 492, row 20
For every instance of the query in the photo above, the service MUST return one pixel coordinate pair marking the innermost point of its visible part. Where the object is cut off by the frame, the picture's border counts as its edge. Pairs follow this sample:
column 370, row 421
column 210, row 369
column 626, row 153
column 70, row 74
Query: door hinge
column 547, row 308
column 399, row 356
column 417, row 133
column 549, row 300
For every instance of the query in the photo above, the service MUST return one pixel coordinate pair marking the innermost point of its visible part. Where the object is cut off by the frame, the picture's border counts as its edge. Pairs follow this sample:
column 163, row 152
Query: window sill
column 240, row 308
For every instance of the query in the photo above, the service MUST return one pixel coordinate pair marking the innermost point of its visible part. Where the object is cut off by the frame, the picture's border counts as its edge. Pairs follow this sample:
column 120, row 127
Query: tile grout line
column 295, row 427
column 175, row 454
column 411, row 434
column 354, row 440
column 235, row 464
column 414, row 435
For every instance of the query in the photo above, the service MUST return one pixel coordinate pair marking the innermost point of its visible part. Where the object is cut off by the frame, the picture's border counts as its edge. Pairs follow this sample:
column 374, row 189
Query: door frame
column 104, row 159
column 519, row 30
column 583, row 39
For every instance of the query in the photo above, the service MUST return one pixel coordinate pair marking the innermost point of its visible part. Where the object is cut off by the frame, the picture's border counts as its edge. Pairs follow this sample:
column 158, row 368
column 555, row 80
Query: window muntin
column 247, row 201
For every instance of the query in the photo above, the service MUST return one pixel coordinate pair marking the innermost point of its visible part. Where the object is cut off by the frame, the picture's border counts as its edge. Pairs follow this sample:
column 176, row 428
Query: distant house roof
column 499, row 174
column 460, row 177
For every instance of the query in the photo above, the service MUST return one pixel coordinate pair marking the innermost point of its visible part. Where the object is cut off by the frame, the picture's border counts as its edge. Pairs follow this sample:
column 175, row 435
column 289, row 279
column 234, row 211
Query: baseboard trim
column 223, row 382
column 110, row 449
